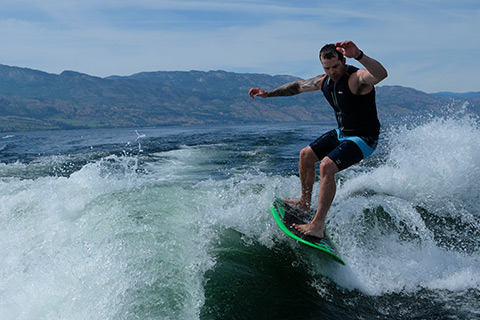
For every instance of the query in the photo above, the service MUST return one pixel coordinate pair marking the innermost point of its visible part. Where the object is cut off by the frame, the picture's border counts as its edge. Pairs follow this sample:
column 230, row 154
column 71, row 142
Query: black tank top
column 356, row 114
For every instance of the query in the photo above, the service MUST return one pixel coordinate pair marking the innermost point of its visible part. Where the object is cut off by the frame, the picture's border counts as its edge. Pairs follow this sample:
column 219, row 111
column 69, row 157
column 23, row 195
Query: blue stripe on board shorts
column 342, row 149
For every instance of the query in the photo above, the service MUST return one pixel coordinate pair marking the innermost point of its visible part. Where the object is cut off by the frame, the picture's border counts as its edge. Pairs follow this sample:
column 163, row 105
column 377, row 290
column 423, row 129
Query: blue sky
column 429, row 45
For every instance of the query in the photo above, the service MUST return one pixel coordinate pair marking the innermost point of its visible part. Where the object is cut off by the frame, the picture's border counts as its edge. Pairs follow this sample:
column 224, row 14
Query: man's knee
column 328, row 167
column 308, row 156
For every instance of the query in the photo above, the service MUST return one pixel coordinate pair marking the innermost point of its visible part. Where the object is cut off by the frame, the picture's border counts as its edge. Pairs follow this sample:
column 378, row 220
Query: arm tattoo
column 288, row 89
column 308, row 85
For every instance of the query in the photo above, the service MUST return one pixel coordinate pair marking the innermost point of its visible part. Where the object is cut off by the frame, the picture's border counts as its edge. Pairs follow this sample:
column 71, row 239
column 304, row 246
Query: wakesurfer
column 351, row 93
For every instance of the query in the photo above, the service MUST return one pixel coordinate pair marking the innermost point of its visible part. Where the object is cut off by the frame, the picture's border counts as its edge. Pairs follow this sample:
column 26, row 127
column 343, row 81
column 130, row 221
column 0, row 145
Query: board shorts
column 342, row 149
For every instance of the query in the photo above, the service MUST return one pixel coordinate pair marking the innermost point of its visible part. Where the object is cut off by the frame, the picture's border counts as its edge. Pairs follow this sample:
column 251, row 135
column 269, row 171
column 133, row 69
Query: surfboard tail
column 286, row 215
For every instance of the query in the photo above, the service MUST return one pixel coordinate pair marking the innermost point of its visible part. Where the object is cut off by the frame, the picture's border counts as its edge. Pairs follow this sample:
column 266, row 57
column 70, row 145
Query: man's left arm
column 373, row 73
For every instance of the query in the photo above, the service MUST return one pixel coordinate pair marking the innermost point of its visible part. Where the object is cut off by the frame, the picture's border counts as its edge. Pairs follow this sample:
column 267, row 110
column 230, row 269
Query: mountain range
column 37, row 100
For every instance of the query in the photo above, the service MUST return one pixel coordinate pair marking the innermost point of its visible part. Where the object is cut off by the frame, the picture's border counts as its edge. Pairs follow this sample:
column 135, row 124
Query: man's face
column 334, row 68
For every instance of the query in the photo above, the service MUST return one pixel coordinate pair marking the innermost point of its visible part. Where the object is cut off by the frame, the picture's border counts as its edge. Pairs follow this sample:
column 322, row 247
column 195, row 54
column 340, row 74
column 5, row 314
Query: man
column 350, row 91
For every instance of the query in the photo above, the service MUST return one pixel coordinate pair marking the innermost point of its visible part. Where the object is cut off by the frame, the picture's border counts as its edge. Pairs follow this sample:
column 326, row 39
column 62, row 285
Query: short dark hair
column 329, row 51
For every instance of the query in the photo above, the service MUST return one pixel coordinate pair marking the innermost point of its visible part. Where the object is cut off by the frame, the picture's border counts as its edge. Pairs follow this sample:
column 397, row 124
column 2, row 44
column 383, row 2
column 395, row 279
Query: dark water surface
column 174, row 223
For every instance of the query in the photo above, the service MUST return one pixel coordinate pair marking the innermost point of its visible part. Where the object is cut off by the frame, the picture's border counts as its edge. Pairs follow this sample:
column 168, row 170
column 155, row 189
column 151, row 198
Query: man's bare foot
column 310, row 230
column 299, row 204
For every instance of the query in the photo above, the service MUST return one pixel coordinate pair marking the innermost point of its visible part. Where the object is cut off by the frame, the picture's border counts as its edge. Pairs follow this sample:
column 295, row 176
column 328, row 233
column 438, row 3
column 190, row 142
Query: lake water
column 174, row 223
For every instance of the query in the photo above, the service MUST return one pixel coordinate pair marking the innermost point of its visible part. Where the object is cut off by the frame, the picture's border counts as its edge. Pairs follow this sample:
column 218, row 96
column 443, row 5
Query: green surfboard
column 286, row 215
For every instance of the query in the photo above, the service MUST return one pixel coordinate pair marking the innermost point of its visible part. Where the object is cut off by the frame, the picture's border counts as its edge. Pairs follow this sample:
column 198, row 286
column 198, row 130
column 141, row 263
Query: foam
column 99, row 243
column 433, row 166
column 114, row 236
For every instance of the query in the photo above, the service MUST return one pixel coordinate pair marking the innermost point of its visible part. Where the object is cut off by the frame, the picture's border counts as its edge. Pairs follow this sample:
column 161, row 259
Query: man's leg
column 341, row 157
column 306, row 170
column 328, row 187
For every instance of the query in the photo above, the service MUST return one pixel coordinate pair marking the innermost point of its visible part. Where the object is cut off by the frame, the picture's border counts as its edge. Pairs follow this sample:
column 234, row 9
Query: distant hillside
column 472, row 98
column 36, row 100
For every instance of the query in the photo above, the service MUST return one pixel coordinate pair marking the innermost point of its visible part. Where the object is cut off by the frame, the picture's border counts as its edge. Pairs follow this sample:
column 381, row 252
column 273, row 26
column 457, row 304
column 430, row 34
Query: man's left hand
column 348, row 48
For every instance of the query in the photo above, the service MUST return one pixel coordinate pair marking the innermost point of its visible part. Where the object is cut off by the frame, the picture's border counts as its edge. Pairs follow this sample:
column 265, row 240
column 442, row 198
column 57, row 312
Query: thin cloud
column 414, row 39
